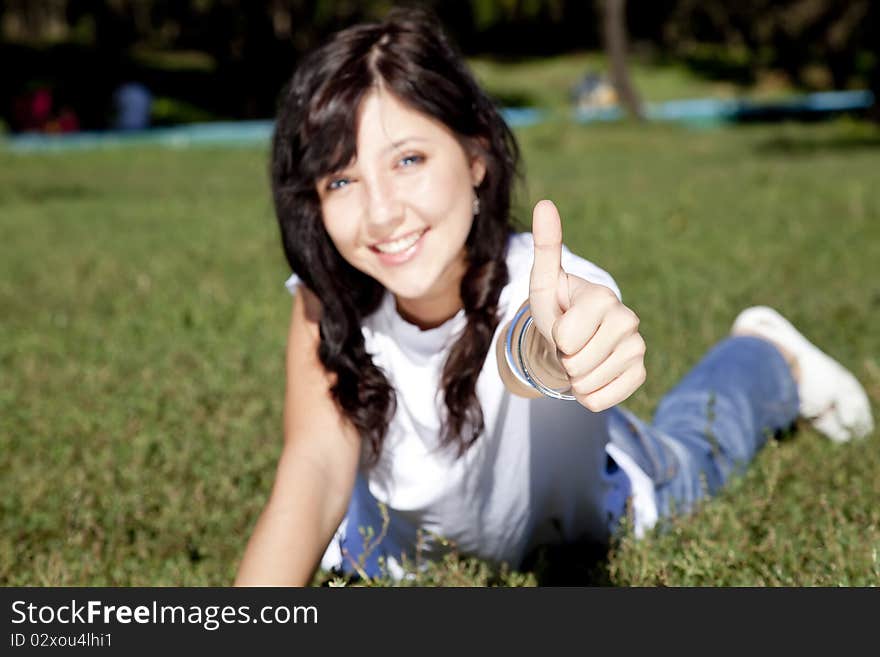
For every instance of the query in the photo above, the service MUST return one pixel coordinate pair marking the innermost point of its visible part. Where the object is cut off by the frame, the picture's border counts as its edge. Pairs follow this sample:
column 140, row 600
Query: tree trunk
column 874, row 75
column 615, row 48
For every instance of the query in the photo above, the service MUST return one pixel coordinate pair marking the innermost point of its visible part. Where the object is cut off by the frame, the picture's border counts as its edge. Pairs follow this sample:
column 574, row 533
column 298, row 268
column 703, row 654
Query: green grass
column 143, row 319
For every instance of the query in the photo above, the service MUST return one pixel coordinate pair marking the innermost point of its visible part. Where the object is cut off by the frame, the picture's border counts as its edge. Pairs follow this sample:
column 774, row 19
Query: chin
column 412, row 289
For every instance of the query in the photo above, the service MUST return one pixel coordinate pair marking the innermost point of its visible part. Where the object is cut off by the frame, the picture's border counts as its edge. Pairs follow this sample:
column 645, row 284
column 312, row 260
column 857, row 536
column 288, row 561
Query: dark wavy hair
column 315, row 134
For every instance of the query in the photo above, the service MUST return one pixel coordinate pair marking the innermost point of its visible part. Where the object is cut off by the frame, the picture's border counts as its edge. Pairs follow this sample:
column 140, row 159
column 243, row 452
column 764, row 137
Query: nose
column 384, row 208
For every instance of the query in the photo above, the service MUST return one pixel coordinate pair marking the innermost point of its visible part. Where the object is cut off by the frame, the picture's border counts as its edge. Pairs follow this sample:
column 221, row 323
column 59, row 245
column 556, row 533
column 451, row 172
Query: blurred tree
column 794, row 36
column 34, row 20
column 873, row 38
column 615, row 47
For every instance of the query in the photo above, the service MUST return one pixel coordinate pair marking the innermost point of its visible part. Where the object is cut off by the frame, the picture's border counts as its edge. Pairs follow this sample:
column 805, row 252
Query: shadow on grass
column 574, row 564
column 508, row 98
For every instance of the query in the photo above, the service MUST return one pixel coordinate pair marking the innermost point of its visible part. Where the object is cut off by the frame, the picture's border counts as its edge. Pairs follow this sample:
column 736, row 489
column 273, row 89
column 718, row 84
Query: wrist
column 508, row 363
column 532, row 359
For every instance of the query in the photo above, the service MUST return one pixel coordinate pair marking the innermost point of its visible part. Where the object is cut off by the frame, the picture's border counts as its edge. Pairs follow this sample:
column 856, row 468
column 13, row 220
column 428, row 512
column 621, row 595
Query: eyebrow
column 401, row 142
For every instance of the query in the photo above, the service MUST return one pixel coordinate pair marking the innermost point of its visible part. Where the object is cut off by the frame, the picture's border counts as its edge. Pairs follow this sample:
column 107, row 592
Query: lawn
column 143, row 319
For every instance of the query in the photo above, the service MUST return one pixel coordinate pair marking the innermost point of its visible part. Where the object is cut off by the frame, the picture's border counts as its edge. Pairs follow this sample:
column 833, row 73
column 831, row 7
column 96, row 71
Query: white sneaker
column 831, row 398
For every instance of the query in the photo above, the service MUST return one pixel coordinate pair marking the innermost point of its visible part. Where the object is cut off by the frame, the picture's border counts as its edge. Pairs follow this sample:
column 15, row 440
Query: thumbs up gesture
column 594, row 336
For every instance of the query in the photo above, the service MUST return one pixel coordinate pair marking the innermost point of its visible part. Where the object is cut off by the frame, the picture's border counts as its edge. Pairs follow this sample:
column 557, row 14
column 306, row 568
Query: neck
column 436, row 307
column 428, row 313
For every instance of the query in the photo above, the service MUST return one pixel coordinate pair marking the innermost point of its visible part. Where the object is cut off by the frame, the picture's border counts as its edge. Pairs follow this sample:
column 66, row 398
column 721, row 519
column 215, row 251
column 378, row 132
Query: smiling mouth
column 399, row 245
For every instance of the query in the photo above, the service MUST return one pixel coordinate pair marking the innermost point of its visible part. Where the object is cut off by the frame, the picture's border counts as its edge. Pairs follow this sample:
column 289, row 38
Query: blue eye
column 337, row 183
column 409, row 160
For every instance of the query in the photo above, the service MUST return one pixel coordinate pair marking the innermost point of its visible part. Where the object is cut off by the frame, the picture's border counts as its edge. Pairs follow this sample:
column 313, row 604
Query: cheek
column 342, row 231
column 444, row 195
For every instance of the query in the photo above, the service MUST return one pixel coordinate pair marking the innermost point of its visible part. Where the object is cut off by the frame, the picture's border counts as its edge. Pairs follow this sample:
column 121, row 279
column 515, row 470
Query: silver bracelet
column 517, row 363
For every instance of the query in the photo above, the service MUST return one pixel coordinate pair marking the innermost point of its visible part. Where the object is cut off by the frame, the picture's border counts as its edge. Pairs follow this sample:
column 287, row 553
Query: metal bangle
column 522, row 372
column 513, row 366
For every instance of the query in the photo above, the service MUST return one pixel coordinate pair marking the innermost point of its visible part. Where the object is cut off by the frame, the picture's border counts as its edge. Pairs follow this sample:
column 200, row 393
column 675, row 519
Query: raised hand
column 595, row 336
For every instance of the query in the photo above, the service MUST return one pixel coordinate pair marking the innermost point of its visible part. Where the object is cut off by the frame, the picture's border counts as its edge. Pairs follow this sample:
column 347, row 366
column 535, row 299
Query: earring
column 476, row 206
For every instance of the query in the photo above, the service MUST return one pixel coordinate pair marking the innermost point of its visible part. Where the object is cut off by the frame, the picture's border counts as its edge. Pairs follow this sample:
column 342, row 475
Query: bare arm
column 316, row 471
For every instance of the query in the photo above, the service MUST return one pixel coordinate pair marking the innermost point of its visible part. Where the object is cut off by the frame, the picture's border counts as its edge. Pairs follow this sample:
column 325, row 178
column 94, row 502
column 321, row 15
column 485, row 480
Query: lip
column 392, row 259
column 399, row 237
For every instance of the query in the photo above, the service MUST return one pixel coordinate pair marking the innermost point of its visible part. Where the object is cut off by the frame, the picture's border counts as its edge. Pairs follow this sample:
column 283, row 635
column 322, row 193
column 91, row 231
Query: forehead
column 384, row 120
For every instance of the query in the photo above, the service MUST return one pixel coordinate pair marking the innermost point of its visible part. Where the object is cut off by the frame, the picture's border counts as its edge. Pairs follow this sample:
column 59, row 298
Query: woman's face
column 402, row 210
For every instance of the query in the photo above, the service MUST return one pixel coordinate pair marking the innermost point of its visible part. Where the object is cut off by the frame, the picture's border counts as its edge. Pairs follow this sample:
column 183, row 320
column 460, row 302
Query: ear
column 478, row 170
column 477, row 151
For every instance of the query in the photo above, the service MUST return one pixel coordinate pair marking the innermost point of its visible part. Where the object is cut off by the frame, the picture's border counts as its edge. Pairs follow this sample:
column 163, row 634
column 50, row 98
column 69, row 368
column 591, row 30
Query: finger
column 546, row 267
column 630, row 352
column 618, row 325
column 615, row 392
column 577, row 325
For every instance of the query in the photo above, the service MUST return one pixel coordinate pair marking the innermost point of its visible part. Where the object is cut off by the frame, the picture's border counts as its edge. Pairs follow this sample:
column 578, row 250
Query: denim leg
column 360, row 552
column 711, row 425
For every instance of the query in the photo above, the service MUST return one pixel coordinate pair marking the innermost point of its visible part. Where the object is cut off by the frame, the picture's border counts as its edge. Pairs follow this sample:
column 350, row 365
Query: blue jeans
column 711, row 425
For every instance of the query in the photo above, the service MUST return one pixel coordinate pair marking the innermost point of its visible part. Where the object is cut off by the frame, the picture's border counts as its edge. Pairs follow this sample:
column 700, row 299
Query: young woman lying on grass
column 450, row 380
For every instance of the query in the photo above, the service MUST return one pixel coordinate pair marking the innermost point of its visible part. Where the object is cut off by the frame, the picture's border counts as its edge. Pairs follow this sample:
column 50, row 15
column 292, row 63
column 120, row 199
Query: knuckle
column 642, row 374
column 637, row 321
column 562, row 337
column 569, row 365
column 593, row 404
column 600, row 296
column 582, row 386
column 607, row 293
column 606, row 297
column 630, row 319
column 639, row 347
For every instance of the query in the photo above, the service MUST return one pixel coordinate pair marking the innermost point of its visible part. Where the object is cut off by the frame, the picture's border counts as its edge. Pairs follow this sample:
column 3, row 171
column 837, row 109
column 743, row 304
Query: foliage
column 794, row 36
column 171, row 111
column 235, row 56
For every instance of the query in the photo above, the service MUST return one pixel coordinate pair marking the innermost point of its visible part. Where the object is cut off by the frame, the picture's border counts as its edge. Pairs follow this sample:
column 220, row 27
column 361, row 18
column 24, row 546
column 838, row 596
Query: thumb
column 547, row 274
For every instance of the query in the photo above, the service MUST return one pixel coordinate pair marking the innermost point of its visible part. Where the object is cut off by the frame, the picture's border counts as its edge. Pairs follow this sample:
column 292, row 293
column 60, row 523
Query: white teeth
column 399, row 245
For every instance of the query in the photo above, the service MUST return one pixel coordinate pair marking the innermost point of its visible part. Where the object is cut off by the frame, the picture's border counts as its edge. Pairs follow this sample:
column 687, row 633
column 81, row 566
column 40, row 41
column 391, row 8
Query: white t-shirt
column 539, row 473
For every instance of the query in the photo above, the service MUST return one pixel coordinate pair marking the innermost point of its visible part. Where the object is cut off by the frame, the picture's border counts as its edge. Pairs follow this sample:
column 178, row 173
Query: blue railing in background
column 719, row 110
column 699, row 111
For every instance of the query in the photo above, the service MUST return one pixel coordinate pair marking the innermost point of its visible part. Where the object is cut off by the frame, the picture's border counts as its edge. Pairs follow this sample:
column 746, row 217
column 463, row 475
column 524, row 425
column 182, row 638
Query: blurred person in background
column 132, row 103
